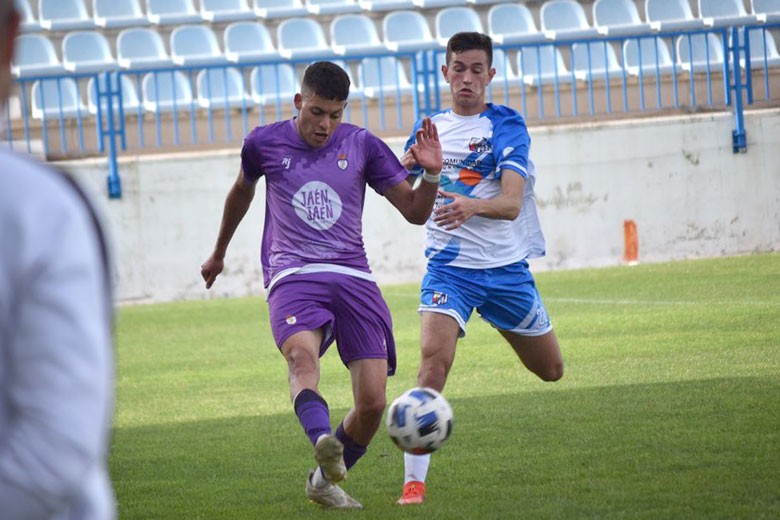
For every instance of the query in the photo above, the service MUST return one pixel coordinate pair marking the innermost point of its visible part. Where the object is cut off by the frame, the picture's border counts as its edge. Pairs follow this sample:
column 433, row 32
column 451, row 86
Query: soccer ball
column 419, row 421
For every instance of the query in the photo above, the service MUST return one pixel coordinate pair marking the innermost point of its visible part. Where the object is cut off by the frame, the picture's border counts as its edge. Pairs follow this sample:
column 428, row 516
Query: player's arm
column 237, row 203
column 505, row 206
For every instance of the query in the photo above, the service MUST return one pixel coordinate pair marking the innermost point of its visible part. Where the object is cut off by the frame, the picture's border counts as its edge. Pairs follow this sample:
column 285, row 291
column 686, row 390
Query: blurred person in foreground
column 316, row 274
column 56, row 359
column 483, row 229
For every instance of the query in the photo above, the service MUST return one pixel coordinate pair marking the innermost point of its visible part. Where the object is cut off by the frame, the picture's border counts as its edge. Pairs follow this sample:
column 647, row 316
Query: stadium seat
column 542, row 65
column 118, row 13
column 451, row 20
column 53, row 98
column 385, row 5
column 406, row 31
column 565, row 19
column 87, row 51
column 219, row 11
column 195, row 45
column 354, row 34
column 64, row 15
column 130, row 101
column 139, row 48
column 618, row 18
column 302, row 38
column 512, row 24
column 221, row 88
column 279, row 8
column 168, row 12
column 165, row 90
column 671, row 15
column 273, row 84
column 28, row 21
column 762, row 47
column 653, row 61
column 436, row 4
column 595, row 60
column 724, row 13
column 700, row 52
column 248, row 41
column 35, row 55
column 505, row 75
column 766, row 11
column 383, row 77
column 332, row 7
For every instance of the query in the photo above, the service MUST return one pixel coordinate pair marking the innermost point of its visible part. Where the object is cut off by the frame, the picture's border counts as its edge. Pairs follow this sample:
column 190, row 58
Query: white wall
column 677, row 178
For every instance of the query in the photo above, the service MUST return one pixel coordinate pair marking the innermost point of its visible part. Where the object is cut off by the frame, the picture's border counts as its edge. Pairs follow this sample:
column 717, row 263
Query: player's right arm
column 237, row 203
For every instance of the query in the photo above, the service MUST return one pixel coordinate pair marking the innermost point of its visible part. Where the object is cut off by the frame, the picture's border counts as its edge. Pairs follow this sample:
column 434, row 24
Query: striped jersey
column 477, row 150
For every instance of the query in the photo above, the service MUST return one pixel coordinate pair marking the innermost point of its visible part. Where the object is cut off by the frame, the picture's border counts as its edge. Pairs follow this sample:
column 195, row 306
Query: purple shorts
column 351, row 310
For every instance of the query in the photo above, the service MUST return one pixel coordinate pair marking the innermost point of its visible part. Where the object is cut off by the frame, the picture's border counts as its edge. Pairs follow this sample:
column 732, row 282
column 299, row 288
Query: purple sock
column 352, row 450
column 312, row 412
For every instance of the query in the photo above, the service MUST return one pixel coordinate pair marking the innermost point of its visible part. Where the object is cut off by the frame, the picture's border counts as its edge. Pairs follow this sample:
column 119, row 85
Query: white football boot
column 331, row 495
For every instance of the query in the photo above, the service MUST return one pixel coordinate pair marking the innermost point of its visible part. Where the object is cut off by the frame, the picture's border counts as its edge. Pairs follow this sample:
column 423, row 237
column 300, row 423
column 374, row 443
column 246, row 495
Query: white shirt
column 56, row 359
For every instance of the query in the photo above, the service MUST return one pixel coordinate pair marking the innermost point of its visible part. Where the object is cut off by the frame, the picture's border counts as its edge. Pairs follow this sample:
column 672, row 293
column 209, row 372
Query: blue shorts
column 350, row 310
column 506, row 297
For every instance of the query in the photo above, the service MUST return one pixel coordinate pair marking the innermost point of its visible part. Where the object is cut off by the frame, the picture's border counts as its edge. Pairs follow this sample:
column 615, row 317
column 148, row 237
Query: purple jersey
column 315, row 196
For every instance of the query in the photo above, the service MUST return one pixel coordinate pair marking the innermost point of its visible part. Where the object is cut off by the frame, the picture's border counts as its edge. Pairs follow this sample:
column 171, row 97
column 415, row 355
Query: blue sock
column 312, row 412
column 352, row 450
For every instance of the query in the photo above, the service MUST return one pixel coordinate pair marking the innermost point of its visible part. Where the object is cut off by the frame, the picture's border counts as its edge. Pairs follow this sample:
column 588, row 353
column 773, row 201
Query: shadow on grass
column 705, row 448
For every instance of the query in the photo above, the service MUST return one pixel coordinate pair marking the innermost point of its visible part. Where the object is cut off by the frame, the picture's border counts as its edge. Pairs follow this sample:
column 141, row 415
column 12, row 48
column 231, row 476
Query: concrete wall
column 677, row 178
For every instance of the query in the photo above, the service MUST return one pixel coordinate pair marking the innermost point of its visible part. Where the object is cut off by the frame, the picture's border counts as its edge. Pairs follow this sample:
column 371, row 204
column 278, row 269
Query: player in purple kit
column 315, row 270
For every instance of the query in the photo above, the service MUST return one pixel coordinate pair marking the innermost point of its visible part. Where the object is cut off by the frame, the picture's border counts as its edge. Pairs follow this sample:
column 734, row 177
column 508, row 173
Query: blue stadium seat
column 279, row 8
column 724, row 13
column 590, row 63
column 219, row 11
column 332, row 7
column 671, row 15
column 28, row 21
column 697, row 52
column 354, row 34
column 53, row 98
column 248, row 41
column 195, row 45
column 766, row 11
column 542, row 65
column 406, row 30
column 383, row 77
column 221, row 88
column 385, row 5
column 652, row 52
column 164, row 90
column 139, row 48
column 302, row 38
column 87, row 51
column 272, row 84
column 168, row 12
column 565, row 19
column 618, row 18
column 436, row 4
column 130, row 101
column 118, row 13
column 512, row 24
column 451, row 20
column 64, row 15
column 35, row 55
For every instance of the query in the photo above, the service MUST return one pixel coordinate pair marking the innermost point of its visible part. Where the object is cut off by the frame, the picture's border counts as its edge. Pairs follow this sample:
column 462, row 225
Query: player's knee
column 369, row 411
column 552, row 373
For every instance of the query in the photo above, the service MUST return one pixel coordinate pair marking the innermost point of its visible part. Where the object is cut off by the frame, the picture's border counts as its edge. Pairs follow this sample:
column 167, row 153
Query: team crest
column 342, row 162
column 479, row 145
column 291, row 320
column 439, row 298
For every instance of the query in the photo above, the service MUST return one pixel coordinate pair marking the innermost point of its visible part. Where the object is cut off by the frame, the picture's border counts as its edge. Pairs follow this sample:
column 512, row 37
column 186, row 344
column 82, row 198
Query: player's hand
column 210, row 269
column 407, row 160
column 426, row 151
column 453, row 214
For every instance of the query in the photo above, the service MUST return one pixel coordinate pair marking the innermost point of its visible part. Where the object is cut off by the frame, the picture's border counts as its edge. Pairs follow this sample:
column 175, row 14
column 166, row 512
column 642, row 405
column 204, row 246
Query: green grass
column 669, row 407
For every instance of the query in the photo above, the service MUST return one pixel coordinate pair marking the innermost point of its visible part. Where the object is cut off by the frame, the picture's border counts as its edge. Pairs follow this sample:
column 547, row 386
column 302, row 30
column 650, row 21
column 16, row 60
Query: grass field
column 669, row 408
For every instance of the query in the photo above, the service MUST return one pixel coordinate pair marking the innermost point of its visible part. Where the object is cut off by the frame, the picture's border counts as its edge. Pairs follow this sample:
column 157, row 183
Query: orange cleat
column 414, row 493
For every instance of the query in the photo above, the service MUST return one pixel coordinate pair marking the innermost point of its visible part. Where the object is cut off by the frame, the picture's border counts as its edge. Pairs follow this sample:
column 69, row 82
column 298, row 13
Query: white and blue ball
column 419, row 421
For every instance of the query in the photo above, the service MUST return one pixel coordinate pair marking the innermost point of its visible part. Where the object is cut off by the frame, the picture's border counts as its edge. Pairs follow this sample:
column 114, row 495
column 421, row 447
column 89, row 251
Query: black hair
column 326, row 80
column 468, row 41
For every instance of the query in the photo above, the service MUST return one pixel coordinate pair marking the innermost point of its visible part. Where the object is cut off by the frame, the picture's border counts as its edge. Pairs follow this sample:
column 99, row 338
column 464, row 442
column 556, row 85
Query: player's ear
column 491, row 73
column 444, row 73
column 298, row 101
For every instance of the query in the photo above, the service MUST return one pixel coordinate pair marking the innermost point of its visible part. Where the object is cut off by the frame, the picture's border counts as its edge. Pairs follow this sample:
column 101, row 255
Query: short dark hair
column 469, row 41
column 326, row 80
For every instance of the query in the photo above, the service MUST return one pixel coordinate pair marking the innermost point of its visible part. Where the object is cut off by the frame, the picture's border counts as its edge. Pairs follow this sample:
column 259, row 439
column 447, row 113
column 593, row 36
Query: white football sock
column 416, row 467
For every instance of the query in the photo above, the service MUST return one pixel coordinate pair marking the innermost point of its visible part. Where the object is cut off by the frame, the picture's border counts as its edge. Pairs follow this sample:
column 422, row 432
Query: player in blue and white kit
column 316, row 274
column 483, row 229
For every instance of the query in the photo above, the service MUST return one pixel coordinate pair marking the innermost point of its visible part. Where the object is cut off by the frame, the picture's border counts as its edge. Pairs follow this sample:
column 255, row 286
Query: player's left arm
column 505, row 206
